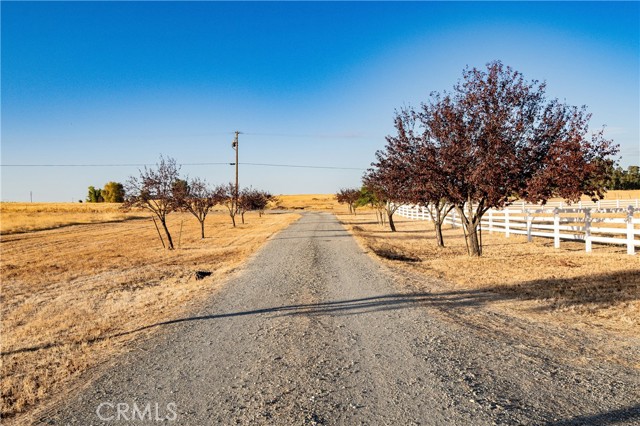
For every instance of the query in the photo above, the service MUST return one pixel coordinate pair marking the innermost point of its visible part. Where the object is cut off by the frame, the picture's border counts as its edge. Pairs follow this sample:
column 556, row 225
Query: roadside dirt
column 313, row 331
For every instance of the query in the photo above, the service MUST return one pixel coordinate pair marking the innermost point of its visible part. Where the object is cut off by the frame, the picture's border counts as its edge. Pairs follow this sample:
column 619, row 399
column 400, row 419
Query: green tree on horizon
column 94, row 195
column 113, row 192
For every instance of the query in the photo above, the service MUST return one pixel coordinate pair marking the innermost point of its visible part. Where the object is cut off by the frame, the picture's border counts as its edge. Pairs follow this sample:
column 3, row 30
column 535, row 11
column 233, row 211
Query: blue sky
column 308, row 83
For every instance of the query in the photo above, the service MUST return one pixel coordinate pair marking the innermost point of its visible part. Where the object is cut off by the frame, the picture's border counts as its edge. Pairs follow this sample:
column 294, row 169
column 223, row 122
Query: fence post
column 556, row 228
column 490, row 221
column 587, row 230
column 529, row 225
column 598, row 204
column 630, row 245
column 618, row 203
column 506, row 223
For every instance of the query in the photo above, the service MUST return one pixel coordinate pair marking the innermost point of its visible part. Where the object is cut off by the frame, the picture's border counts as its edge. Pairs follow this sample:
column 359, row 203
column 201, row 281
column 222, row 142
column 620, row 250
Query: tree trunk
column 474, row 242
column 233, row 219
column 391, row 224
column 470, row 223
column 166, row 231
column 202, row 228
column 242, row 216
column 439, row 239
column 438, row 213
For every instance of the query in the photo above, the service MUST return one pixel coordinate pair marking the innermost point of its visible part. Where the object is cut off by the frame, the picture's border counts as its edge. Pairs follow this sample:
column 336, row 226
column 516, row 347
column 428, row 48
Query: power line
column 309, row 135
column 103, row 165
column 302, row 166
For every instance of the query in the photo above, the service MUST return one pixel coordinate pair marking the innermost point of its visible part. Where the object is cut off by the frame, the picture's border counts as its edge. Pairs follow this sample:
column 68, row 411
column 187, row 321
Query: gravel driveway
column 314, row 331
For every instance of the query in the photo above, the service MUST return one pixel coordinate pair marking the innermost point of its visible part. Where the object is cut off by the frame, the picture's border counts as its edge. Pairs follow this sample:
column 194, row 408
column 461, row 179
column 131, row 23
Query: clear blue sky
column 308, row 83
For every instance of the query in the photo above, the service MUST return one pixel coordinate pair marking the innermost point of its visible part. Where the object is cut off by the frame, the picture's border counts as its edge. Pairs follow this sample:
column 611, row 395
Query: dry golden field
column 73, row 297
column 620, row 195
column 328, row 202
column 325, row 202
column 24, row 217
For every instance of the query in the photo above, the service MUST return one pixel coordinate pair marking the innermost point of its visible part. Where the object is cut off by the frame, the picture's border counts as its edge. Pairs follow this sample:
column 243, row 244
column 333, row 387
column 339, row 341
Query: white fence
column 588, row 222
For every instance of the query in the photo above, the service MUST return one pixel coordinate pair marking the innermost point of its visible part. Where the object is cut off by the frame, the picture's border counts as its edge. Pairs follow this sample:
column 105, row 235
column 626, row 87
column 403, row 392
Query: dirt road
column 314, row 331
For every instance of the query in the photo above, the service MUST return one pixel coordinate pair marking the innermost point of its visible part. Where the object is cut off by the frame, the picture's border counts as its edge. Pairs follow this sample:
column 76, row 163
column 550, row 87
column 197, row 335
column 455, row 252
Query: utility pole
column 235, row 146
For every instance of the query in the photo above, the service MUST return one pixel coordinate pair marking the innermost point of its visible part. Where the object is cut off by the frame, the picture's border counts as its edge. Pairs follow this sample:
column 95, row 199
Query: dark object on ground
column 202, row 274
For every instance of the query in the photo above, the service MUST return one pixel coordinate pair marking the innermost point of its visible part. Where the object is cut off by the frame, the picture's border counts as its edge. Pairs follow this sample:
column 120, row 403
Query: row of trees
column 161, row 191
column 113, row 192
column 618, row 178
column 371, row 197
column 493, row 139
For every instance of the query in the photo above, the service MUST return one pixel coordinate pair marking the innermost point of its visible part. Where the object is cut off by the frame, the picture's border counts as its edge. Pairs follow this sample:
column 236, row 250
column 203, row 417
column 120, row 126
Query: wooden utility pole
column 235, row 146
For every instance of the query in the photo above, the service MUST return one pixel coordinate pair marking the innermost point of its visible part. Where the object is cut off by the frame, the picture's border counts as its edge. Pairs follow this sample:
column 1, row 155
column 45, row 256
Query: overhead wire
column 303, row 166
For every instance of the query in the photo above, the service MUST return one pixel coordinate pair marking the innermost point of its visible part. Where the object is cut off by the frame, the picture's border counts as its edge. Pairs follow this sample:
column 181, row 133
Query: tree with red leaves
column 497, row 139
column 494, row 139
column 350, row 197
column 253, row 200
column 390, row 178
column 229, row 201
column 410, row 169
column 198, row 198
column 153, row 191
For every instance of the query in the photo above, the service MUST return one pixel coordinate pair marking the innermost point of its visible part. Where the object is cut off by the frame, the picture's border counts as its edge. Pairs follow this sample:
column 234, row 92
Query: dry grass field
column 324, row 202
column 328, row 202
column 620, row 195
column 73, row 297
column 25, row 217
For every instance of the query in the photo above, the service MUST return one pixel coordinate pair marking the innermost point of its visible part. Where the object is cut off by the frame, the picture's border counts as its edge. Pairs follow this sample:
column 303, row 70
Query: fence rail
column 608, row 222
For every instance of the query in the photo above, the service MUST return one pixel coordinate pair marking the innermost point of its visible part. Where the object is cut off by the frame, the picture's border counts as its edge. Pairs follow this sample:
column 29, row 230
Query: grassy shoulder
column 75, row 296
column 598, row 291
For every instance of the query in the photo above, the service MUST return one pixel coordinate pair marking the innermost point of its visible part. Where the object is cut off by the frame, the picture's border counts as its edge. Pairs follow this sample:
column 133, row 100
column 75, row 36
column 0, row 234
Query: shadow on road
column 592, row 289
column 628, row 414
column 352, row 306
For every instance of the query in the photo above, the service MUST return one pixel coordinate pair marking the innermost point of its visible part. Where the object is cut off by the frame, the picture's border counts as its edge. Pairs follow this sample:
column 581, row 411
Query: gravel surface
column 313, row 331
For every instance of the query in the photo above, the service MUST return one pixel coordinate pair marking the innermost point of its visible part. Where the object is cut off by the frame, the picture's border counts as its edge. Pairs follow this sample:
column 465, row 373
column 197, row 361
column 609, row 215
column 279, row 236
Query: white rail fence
column 608, row 222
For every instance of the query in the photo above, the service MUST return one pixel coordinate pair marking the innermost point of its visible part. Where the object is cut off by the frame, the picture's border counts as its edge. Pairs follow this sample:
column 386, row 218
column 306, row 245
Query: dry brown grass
column 599, row 289
column 322, row 202
column 73, row 297
column 621, row 194
column 25, row 217
column 328, row 202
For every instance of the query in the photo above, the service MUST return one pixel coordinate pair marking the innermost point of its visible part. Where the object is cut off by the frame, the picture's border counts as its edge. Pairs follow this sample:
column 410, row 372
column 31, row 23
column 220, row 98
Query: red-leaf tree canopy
column 496, row 138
